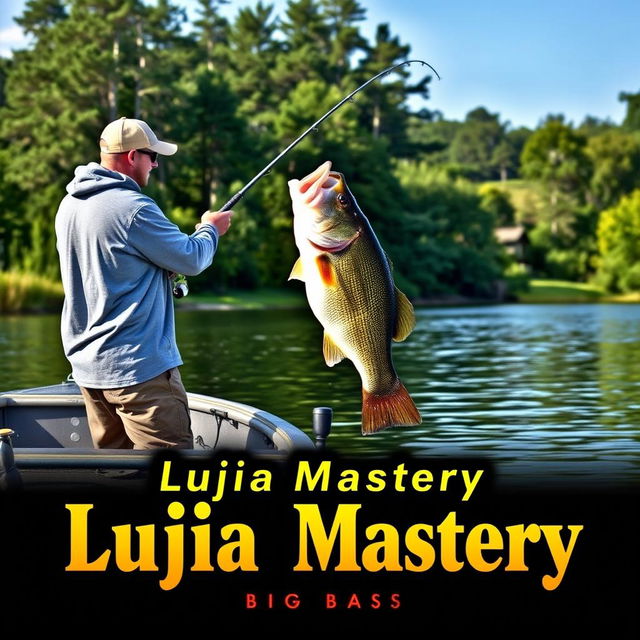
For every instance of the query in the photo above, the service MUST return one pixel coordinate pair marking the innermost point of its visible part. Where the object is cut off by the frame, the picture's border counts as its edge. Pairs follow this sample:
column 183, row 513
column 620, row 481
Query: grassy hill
column 563, row 291
column 525, row 197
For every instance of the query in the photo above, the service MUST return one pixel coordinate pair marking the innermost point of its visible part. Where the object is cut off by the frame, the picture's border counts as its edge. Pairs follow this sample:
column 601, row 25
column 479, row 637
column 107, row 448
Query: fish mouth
column 311, row 188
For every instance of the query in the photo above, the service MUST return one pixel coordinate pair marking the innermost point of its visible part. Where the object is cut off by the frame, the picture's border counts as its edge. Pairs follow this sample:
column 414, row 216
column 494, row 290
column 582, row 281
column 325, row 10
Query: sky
column 520, row 59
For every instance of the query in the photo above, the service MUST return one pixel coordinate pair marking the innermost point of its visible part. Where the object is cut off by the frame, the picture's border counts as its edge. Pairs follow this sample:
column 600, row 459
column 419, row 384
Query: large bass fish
column 350, row 290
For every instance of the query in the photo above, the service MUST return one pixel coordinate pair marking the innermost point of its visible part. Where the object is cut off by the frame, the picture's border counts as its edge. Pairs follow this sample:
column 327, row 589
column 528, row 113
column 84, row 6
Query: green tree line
column 234, row 92
column 569, row 186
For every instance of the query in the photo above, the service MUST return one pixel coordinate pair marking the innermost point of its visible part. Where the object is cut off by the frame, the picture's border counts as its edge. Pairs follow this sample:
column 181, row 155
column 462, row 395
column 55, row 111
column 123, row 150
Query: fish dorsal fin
column 326, row 269
column 405, row 318
column 332, row 353
column 297, row 273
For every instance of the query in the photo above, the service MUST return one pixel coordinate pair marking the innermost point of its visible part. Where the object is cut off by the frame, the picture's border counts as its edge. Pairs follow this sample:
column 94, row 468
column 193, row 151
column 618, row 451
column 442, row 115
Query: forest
column 233, row 93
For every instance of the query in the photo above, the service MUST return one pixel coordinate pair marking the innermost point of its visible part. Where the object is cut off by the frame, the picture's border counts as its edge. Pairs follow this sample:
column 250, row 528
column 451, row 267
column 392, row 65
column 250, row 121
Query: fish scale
column 357, row 307
column 350, row 290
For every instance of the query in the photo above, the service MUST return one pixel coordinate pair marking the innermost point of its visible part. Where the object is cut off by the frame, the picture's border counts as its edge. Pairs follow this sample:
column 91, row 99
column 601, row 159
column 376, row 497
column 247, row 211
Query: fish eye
column 343, row 201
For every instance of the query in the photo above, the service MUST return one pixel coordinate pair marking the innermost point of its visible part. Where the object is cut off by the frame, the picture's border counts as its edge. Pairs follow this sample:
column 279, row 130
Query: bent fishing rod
column 180, row 283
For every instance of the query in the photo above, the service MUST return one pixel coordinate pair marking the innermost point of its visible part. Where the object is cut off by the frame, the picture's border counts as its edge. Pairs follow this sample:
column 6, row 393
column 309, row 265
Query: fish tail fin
column 395, row 409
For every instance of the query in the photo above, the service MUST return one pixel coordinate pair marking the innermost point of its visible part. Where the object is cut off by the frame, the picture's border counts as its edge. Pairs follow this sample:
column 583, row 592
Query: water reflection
column 521, row 384
column 31, row 352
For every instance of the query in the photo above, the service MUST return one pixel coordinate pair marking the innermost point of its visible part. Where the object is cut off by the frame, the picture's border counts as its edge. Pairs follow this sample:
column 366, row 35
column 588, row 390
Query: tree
column 233, row 95
column 214, row 136
column 59, row 94
column 212, row 30
column 51, row 89
column 382, row 104
column 40, row 15
column 306, row 48
column 497, row 202
column 345, row 38
column 517, row 138
column 480, row 145
column 453, row 249
column 162, row 53
column 5, row 65
column 431, row 136
column 592, row 126
column 616, row 166
column 253, row 52
column 555, row 156
column 632, row 118
column 619, row 245
column 504, row 158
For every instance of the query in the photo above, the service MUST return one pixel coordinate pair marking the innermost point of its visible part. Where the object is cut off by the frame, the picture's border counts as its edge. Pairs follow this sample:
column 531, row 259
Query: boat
column 49, row 432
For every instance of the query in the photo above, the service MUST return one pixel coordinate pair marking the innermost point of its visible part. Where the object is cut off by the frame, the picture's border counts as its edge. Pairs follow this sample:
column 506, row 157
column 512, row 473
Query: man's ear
column 130, row 156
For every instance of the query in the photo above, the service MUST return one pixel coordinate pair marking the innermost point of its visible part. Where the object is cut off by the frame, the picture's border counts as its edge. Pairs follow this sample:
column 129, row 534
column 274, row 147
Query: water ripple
column 522, row 385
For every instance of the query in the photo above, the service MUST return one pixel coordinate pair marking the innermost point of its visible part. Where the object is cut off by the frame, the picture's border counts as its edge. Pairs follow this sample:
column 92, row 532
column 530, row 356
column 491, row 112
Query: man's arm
column 160, row 241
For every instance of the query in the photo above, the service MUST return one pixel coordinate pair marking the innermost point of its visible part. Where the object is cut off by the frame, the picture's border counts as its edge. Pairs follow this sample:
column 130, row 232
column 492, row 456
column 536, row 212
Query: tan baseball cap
column 126, row 134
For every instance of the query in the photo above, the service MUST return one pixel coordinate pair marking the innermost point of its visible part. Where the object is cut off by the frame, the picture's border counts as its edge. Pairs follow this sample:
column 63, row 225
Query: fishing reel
column 180, row 286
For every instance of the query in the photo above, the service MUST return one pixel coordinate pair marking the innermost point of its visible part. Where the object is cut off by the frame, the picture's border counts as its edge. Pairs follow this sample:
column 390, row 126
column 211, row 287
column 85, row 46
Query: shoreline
column 540, row 292
column 418, row 304
column 296, row 303
column 430, row 303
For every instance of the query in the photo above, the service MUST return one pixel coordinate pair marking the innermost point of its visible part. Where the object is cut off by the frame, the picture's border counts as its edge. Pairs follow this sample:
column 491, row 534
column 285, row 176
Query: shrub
column 20, row 291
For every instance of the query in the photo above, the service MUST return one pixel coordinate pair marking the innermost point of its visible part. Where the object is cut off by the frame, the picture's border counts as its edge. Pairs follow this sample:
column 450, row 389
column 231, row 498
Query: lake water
column 541, row 390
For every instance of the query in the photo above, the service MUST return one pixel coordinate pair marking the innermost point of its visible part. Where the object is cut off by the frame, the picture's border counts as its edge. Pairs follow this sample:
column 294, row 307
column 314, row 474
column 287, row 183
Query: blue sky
column 520, row 59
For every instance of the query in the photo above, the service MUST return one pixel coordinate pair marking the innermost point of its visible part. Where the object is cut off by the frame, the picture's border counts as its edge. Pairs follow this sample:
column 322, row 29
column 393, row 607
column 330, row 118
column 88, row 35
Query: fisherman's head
column 131, row 147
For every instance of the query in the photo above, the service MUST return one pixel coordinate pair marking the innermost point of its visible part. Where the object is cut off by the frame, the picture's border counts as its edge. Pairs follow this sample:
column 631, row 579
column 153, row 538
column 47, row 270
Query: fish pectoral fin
column 405, row 317
column 326, row 270
column 297, row 273
column 332, row 353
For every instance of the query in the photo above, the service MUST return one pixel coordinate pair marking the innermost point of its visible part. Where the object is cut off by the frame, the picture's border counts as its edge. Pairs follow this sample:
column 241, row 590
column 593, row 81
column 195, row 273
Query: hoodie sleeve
column 161, row 242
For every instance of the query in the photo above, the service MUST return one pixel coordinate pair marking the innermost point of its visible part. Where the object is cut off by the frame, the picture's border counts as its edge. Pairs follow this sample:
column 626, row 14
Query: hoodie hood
column 94, row 178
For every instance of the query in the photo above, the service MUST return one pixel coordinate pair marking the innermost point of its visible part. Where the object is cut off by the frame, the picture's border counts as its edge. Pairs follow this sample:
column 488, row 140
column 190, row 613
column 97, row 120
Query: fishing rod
column 180, row 288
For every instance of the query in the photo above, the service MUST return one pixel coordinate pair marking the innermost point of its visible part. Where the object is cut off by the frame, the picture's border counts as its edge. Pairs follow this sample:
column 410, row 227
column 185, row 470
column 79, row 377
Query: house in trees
column 515, row 240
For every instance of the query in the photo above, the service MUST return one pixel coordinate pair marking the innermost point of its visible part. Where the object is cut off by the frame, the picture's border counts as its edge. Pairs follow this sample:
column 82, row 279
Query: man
column 117, row 252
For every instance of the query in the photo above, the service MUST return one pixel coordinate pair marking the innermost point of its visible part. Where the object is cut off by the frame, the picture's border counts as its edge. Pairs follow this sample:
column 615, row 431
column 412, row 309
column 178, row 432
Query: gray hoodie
column 116, row 249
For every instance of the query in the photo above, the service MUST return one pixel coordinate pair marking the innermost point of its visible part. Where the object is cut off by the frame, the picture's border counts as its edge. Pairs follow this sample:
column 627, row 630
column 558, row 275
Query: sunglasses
column 152, row 154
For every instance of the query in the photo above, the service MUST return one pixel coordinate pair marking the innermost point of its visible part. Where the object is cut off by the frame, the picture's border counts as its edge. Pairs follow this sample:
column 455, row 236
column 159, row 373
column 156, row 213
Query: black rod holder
column 10, row 478
column 322, row 425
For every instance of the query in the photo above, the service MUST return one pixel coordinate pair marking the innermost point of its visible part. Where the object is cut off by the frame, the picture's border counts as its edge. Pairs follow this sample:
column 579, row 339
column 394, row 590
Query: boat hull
column 51, row 430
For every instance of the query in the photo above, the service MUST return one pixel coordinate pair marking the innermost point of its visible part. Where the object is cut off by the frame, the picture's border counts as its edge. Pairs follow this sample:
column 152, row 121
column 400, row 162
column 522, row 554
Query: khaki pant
column 150, row 415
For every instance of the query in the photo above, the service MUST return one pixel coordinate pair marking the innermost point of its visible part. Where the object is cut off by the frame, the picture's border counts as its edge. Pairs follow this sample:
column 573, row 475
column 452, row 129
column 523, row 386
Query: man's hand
column 221, row 220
